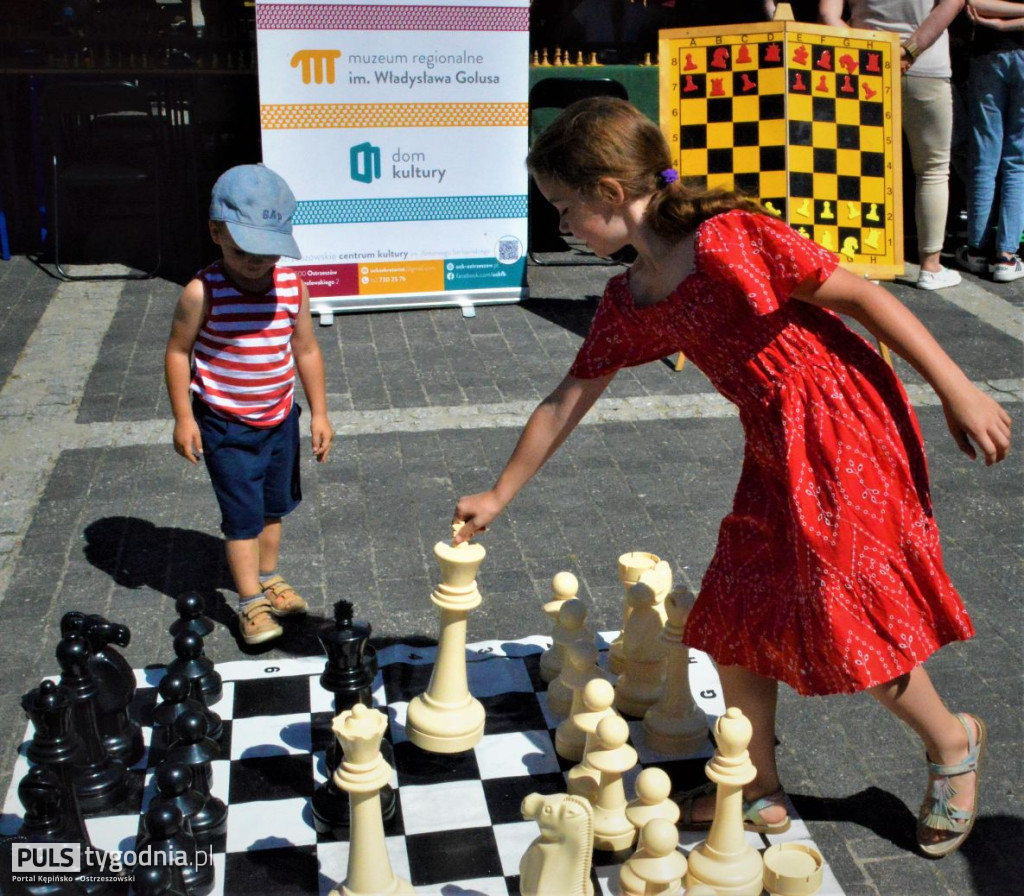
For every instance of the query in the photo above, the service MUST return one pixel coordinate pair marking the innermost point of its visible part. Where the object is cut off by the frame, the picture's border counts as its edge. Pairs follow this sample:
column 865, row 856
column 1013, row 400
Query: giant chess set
column 542, row 767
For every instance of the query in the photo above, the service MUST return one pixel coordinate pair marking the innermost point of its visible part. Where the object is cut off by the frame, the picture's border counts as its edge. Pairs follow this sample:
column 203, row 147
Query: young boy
column 241, row 328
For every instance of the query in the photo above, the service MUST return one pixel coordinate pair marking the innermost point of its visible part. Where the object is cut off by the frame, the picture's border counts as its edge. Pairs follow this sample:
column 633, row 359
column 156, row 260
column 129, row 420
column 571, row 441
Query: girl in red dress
column 828, row 574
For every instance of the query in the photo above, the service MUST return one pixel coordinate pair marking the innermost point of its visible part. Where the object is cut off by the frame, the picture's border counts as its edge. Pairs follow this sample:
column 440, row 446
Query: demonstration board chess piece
column 115, row 683
column 725, row 861
column 631, row 566
column 559, row 859
column 192, row 748
column 572, row 629
column 174, row 788
column 612, row 757
column 580, row 669
column 166, row 836
column 643, row 652
column 653, row 787
column 196, row 666
column 564, row 587
column 99, row 779
column 191, row 609
column 176, row 698
column 55, row 745
column 657, row 867
column 362, row 773
column 447, row 718
column 676, row 725
column 598, row 696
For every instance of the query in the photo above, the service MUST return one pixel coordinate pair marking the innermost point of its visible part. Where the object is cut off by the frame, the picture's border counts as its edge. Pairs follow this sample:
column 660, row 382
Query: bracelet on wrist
column 913, row 50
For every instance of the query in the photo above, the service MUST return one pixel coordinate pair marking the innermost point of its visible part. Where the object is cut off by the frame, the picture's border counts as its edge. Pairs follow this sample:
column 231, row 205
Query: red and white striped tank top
column 242, row 364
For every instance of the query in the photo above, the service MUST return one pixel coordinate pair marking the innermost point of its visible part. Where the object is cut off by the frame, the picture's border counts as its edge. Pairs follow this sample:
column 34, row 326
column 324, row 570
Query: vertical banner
column 402, row 129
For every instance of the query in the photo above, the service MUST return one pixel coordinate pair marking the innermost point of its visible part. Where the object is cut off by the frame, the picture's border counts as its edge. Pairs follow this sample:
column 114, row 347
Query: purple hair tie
column 668, row 176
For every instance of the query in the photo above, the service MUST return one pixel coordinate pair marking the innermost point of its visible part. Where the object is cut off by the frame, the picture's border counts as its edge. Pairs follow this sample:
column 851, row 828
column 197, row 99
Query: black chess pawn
column 174, row 788
column 196, row 666
column 55, row 744
column 351, row 662
column 175, row 692
column 159, row 880
column 99, row 779
column 164, row 833
column 192, row 748
column 115, row 683
column 191, row 609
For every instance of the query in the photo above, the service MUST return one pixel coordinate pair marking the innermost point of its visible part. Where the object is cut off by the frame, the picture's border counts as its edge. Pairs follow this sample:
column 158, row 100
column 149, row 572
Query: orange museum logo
column 316, row 65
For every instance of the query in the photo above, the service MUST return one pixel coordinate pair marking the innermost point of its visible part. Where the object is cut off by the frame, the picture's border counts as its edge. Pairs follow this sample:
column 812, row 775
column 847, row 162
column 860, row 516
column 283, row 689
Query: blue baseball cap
column 256, row 206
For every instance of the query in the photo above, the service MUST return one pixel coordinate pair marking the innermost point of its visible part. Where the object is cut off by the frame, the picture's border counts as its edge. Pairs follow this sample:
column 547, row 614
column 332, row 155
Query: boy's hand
column 187, row 440
column 323, row 435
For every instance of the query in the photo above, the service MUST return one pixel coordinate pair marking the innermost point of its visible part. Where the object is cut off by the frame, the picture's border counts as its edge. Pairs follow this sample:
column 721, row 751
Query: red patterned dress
column 828, row 572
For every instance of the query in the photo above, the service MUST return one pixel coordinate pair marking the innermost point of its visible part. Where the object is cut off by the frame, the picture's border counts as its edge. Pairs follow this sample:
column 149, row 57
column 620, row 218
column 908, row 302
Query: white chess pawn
column 572, row 627
column 612, row 757
column 725, row 861
column 362, row 773
column 632, row 565
column 564, row 587
column 598, row 696
column 653, row 787
column 580, row 669
column 644, row 652
column 676, row 725
column 657, row 867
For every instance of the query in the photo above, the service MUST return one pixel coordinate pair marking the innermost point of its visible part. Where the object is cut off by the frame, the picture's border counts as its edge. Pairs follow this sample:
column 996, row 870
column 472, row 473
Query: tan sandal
column 256, row 622
column 753, row 820
column 936, row 812
column 284, row 600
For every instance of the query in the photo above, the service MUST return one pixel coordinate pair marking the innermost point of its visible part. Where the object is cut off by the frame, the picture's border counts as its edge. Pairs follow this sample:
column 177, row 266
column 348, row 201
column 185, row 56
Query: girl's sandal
column 936, row 812
column 753, row 821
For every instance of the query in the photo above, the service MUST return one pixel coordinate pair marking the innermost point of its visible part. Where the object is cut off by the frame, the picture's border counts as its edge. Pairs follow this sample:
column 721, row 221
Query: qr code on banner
column 510, row 249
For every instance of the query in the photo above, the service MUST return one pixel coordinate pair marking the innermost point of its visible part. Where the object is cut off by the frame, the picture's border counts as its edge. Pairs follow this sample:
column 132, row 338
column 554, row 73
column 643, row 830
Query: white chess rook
column 676, row 725
column 447, row 718
column 632, row 565
column 725, row 862
column 362, row 773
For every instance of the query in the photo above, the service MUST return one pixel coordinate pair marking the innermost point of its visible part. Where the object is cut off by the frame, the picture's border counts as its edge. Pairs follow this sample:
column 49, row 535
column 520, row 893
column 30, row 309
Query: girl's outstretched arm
column 549, row 425
column 972, row 416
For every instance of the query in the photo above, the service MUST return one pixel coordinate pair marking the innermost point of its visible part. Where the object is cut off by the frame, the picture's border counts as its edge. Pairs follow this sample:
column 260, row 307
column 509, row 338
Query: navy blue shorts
column 254, row 471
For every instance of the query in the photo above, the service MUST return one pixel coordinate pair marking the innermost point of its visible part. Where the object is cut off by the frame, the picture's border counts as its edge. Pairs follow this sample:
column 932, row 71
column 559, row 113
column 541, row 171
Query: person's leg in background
column 928, row 125
column 985, row 94
column 1010, row 215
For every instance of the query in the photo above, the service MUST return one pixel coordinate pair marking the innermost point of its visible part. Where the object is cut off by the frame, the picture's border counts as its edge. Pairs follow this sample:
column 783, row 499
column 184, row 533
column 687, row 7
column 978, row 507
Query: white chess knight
column 447, row 718
column 362, row 773
column 558, row 862
column 725, row 862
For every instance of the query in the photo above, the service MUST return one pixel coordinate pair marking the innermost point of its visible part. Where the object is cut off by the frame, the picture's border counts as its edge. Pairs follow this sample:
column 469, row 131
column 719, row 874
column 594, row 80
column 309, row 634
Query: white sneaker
column 1007, row 270
column 976, row 264
column 939, row 279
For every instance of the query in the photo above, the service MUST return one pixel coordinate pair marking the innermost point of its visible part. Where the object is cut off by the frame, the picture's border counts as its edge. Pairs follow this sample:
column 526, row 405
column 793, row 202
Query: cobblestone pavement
column 98, row 513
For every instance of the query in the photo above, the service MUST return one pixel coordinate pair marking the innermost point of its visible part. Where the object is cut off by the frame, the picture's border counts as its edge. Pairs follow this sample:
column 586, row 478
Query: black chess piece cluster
column 349, row 674
column 85, row 738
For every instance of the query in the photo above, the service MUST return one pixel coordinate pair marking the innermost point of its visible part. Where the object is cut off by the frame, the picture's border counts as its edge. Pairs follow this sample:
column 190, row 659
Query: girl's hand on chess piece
column 475, row 512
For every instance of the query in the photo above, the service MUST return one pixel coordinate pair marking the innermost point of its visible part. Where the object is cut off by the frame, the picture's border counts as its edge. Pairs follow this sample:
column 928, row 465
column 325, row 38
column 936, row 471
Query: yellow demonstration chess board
column 804, row 117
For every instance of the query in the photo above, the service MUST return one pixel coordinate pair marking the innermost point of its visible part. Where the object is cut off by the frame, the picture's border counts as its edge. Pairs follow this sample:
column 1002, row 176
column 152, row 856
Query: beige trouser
column 928, row 126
